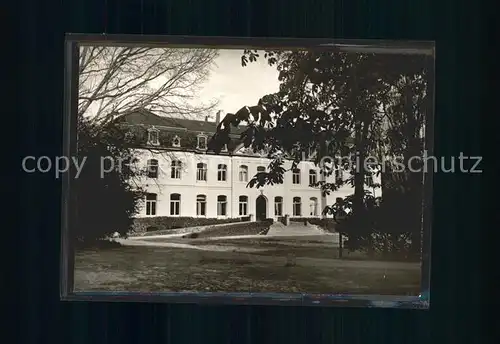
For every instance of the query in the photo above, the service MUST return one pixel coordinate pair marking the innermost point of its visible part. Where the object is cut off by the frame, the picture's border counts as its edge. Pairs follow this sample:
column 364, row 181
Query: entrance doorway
column 261, row 208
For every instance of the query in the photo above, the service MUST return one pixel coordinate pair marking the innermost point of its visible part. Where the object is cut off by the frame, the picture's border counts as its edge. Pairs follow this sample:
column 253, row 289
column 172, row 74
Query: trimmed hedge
column 326, row 224
column 247, row 228
column 161, row 223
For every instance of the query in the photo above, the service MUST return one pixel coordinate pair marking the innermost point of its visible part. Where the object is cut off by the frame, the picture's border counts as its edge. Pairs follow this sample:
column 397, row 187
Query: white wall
column 188, row 187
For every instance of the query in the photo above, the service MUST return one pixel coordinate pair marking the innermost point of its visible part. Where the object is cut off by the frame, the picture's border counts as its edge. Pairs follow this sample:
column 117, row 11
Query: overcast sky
column 229, row 83
column 236, row 86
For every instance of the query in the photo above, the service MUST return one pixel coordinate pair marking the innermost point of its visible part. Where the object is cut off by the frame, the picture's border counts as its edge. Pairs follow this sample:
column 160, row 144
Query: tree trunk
column 359, row 179
column 341, row 245
column 359, row 172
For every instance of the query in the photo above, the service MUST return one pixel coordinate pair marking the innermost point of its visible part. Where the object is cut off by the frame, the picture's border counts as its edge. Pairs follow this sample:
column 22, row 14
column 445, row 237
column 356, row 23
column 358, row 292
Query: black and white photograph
column 246, row 169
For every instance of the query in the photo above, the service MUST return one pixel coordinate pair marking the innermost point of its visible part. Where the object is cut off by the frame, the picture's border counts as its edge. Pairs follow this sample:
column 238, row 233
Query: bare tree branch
column 165, row 80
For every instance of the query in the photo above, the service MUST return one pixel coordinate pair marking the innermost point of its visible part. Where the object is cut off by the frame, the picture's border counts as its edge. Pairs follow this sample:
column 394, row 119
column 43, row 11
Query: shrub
column 94, row 221
column 167, row 222
column 326, row 224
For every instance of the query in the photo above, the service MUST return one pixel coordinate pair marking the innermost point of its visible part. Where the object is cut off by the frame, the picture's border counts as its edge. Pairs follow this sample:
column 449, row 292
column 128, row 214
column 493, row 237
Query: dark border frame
column 72, row 43
column 69, row 149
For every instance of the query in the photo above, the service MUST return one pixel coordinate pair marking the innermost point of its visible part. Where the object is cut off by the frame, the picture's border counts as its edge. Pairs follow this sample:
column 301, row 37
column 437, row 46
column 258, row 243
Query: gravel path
column 213, row 248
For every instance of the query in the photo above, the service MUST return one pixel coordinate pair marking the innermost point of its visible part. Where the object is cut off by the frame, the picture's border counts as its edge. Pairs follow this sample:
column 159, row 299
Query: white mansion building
column 184, row 179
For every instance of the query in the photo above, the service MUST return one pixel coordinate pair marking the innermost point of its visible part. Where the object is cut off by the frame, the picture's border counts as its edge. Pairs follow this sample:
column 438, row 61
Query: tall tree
column 116, row 80
column 106, row 200
column 325, row 99
column 410, row 104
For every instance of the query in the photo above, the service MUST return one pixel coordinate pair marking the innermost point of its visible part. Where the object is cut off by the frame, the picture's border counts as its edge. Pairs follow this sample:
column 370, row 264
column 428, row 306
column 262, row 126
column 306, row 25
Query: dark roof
column 145, row 117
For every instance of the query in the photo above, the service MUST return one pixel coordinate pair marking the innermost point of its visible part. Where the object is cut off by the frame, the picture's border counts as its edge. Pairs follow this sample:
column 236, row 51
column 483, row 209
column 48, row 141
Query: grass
column 161, row 269
column 279, row 247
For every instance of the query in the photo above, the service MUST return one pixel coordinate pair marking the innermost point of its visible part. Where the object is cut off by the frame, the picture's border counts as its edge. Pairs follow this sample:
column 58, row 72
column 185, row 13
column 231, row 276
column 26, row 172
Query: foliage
column 342, row 104
column 116, row 80
column 170, row 222
column 106, row 202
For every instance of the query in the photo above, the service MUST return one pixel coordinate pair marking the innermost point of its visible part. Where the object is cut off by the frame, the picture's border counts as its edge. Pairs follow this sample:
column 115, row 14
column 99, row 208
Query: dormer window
column 176, row 141
column 153, row 137
column 311, row 153
column 202, row 142
column 262, row 152
column 369, row 180
column 129, row 136
column 339, row 175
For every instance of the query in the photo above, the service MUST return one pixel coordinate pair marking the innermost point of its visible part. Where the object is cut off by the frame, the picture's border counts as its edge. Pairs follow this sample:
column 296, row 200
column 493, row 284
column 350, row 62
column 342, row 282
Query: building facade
column 184, row 179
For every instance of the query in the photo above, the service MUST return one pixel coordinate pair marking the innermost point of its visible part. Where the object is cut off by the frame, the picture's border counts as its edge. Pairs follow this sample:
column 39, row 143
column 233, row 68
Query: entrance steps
column 295, row 229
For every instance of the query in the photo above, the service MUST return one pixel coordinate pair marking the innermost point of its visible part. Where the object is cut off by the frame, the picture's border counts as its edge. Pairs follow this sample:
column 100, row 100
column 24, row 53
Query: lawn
column 314, row 270
column 312, row 247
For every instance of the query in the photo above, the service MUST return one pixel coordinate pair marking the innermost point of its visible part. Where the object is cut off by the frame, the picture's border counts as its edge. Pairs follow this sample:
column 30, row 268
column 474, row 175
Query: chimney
column 217, row 117
column 206, row 118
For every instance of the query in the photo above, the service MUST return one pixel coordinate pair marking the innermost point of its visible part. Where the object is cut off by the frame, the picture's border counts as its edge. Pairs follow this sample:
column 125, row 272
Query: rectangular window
column 176, row 170
column 278, row 206
column 201, row 172
column 312, row 178
column 221, row 205
column 243, row 205
column 338, row 175
column 152, row 168
column 201, row 205
column 221, row 172
column 369, row 180
column 151, row 200
column 296, row 176
column 297, row 211
column 243, row 173
column 202, row 142
column 313, row 206
column 175, row 204
column 153, row 137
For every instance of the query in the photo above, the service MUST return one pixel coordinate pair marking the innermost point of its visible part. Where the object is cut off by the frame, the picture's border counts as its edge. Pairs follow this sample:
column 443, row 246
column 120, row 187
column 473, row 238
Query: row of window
column 201, row 205
column 201, row 143
column 153, row 139
column 201, row 172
